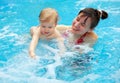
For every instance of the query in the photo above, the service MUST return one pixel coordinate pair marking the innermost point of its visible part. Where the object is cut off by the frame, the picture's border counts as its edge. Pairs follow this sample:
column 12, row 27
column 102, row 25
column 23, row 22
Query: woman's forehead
column 82, row 15
column 84, row 18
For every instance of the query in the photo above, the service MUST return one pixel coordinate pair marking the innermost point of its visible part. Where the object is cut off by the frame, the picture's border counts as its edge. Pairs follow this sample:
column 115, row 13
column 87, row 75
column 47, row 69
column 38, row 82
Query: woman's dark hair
column 95, row 15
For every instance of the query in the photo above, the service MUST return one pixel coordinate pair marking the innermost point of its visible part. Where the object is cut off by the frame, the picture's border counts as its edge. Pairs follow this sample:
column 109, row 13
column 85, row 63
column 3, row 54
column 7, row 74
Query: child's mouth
column 46, row 32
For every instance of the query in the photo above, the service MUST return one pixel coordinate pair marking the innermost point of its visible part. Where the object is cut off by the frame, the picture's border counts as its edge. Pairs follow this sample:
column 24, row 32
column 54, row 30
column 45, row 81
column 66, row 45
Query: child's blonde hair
column 48, row 15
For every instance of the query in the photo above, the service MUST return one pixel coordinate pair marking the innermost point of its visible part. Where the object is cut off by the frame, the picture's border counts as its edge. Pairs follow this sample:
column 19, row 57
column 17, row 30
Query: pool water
column 100, row 65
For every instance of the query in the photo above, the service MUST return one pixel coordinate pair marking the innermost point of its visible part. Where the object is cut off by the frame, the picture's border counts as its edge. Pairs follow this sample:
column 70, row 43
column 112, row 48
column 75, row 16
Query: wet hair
column 95, row 15
column 49, row 15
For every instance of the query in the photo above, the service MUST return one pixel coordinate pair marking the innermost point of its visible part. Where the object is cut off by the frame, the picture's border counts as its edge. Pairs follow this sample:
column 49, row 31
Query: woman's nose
column 77, row 25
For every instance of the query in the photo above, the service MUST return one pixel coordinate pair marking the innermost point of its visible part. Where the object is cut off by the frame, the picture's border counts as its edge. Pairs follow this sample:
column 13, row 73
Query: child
column 46, row 30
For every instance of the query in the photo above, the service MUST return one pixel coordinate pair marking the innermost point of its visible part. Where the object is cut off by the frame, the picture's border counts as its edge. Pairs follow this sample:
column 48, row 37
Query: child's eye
column 43, row 26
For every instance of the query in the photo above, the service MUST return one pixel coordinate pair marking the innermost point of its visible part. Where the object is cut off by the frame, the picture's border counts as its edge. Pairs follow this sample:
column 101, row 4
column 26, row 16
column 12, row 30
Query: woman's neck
column 76, row 36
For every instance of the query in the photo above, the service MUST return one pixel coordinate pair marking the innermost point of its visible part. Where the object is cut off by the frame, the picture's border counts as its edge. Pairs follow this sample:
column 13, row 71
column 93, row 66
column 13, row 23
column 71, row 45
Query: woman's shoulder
column 91, row 38
column 92, row 35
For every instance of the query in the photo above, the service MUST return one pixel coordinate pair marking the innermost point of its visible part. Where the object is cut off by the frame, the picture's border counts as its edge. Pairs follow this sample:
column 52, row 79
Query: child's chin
column 47, row 35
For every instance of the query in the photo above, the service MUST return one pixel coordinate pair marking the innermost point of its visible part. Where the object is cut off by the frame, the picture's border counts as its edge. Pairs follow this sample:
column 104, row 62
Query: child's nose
column 46, row 29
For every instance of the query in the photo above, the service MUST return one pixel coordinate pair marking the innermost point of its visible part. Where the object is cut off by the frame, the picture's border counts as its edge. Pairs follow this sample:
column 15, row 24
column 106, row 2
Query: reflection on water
column 68, row 67
column 100, row 65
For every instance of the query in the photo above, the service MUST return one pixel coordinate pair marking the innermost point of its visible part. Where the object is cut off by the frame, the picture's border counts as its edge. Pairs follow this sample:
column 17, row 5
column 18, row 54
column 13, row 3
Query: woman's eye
column 78, row 19
column 83, row 24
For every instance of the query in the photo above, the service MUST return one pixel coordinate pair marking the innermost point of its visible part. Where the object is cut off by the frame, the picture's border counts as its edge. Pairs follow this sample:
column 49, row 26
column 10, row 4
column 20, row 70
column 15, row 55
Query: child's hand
column 32, row 55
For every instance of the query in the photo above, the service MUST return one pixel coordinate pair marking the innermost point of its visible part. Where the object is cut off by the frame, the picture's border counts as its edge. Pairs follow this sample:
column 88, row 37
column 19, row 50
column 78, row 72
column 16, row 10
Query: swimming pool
column 16, row 18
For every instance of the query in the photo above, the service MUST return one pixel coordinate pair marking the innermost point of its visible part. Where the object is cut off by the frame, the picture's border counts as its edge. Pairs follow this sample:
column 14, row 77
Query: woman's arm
column 62, row 28
column 88, row 43
column 91, row 39
column 61, row 46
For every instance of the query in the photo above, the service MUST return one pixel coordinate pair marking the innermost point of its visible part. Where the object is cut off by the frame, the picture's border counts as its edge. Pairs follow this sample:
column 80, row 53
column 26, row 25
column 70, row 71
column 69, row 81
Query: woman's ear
column 90, row 30
column 55, row 24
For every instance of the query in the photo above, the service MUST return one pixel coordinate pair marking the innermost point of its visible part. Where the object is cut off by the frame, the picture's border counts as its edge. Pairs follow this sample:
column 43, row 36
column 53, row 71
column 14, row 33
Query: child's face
column 47, row 28
column 81, row 24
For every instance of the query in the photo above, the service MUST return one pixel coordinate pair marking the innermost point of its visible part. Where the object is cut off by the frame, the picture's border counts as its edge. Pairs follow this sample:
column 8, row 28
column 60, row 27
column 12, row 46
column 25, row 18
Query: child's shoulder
column 34, row 29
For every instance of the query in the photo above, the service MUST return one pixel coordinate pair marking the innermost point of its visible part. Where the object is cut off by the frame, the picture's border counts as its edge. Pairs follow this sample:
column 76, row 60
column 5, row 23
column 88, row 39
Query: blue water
column 101, row 65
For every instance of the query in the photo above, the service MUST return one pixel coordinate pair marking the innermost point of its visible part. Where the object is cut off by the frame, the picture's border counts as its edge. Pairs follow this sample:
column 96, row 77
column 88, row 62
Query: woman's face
column 81, row 24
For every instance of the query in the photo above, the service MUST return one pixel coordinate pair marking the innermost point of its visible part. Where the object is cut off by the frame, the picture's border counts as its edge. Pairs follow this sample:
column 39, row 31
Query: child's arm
column 34, row 41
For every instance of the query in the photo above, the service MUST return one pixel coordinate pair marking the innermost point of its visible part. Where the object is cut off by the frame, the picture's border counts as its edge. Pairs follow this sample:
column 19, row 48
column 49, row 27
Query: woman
column 81, row 31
